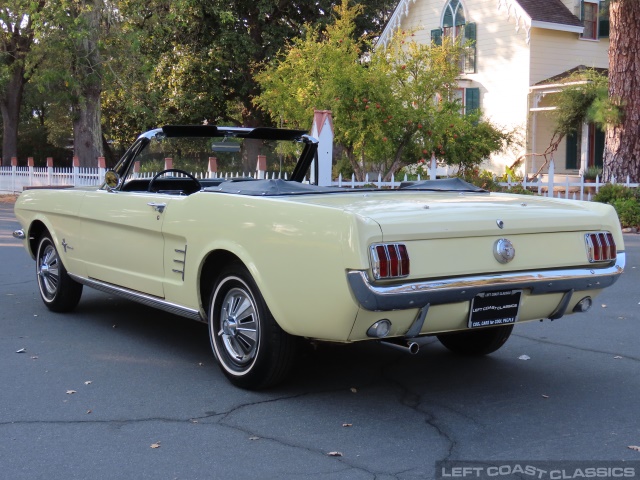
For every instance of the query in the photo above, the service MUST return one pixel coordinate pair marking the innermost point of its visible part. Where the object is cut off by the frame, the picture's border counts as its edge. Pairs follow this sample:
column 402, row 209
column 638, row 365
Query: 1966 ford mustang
column 267, row 262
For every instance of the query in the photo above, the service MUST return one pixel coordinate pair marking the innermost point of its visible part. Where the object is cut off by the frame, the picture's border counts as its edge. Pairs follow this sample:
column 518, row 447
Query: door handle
column 158, row 207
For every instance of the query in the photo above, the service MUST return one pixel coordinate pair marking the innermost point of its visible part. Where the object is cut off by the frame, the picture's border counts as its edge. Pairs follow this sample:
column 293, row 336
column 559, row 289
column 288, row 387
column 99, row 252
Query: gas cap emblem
column 503, row 250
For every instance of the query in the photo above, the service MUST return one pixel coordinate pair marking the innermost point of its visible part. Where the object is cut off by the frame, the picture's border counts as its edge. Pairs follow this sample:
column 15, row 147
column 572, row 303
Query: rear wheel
column 59, row 292
column 251, row 348
column 476, row 342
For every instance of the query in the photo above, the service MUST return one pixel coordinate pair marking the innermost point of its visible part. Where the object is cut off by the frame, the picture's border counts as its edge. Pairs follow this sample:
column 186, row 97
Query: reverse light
column 389, row 260
column 583, row 305
column 601, row 247
column 380, row 329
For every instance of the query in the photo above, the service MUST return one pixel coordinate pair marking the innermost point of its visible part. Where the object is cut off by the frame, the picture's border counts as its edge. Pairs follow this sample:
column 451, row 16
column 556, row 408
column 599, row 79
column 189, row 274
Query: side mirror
column 112, row 180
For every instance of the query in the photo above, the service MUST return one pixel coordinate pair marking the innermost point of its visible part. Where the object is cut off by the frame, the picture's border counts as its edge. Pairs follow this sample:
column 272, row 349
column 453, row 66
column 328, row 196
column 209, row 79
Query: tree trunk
column 622, row 150
column 10, row 106
column 87, row 130
column 14, row 50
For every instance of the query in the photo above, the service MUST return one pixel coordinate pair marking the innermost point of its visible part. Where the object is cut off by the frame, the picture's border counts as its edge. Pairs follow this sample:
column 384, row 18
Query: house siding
column 500, row 48
column 511, row 57
column 554, row 52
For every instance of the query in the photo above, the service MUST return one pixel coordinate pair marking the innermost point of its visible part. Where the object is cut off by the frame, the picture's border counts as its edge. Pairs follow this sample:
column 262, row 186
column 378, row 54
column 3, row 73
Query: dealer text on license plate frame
column 494, row 308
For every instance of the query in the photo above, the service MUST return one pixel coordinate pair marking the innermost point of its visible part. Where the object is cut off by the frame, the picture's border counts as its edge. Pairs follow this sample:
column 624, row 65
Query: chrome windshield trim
column 376, row 297
column 19, row 234
column 140, row 297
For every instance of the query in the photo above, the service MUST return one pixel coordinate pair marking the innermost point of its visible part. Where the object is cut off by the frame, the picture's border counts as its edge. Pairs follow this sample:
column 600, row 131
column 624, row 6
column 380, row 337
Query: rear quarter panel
column 297, row 253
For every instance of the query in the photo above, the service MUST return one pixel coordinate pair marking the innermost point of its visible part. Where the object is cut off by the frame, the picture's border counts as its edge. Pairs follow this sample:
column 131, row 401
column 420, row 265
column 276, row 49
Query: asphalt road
column 95, row 390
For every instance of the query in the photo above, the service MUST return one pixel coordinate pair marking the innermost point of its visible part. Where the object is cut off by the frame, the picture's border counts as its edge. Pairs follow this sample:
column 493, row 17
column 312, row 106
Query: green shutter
column 470, row 32
column 471, row 100
column 470, row 51
column 603, row 22
column 572, row 151
column 436, row 36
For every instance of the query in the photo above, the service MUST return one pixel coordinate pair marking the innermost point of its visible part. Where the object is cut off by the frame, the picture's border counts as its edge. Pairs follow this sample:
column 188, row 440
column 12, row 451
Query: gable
column 544, row 14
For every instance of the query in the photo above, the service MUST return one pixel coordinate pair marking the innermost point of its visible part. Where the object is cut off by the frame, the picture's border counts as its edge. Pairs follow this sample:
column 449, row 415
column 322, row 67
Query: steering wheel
column 176, row 170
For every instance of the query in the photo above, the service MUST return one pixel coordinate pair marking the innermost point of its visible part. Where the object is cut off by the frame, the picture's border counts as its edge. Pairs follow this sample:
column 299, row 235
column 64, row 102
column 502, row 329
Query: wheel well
column 215, row 262
column 36, row 230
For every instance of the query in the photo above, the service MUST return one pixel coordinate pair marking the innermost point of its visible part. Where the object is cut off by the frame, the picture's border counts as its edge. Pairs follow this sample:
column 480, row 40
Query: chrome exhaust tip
column 406, row 346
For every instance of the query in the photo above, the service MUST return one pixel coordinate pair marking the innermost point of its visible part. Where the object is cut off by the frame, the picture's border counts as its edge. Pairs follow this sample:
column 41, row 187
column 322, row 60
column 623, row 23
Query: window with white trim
column 595, row 19
column 469, row 99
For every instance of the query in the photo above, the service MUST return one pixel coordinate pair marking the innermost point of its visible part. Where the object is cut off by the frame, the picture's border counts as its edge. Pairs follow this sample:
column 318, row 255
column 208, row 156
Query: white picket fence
column 15, row 179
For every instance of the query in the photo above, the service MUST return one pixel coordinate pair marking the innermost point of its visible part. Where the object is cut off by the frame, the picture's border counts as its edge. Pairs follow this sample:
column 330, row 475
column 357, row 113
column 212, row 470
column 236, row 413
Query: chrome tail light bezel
column 601, row 247
column 389, row 261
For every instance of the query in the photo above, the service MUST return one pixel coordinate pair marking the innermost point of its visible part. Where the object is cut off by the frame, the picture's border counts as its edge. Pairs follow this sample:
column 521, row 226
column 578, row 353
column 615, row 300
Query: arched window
column 455, row 26
column 453, row 20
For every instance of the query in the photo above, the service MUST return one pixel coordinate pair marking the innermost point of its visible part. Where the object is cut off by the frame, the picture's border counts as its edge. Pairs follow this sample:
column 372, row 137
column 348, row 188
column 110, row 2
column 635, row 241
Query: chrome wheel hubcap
column 49, row 272
column 239, row 326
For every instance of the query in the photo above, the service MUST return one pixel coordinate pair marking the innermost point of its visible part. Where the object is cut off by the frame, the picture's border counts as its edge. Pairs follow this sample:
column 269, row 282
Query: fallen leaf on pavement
column 524, row 357
column 71, row 392
column 88, row 382
column 617, row 356
column 347, row 424
column 253, row 437
column 22, row 350
column 634, row 447
column 545, row 396
column 155, row 445
column 334, row 454
column 354, row 390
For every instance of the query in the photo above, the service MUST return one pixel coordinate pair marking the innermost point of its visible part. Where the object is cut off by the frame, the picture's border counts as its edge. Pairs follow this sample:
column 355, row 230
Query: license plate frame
column 490, row 309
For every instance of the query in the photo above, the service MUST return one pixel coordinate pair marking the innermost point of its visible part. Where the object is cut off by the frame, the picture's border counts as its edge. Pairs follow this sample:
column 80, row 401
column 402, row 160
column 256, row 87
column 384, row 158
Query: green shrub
column 628, row 211
column 612, row 192
column 625, row 200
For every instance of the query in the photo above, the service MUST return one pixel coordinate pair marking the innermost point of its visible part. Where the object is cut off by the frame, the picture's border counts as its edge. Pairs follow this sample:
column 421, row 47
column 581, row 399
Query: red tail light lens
column 601, row 247
column 389, row 260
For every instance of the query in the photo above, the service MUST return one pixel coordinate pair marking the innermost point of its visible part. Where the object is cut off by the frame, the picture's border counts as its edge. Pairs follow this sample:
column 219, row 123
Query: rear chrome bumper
column 377, row 297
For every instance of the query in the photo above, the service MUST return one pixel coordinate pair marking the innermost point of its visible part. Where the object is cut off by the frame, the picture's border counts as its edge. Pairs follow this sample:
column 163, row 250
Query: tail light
column 389, row 260
column 601, row 247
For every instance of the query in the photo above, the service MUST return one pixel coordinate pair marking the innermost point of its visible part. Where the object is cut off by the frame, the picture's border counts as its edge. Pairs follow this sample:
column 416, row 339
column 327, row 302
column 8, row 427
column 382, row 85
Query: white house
column 523, row 50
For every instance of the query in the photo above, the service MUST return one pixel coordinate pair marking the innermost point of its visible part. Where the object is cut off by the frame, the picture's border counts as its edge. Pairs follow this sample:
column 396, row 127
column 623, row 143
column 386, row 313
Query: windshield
column 212, row 157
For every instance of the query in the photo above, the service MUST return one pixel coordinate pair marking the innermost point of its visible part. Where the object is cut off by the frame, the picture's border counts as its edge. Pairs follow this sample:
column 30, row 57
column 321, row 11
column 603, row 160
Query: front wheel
column 251, row 348
column 59, row 292
column 476, row 342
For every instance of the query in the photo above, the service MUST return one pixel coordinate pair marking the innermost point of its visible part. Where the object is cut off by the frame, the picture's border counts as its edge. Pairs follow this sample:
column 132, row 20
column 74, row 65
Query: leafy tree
column 390, row 107
column 17, row 32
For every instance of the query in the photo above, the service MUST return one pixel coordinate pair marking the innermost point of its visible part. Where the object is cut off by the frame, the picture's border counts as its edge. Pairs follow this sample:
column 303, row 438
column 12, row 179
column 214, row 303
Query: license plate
column 494, row 308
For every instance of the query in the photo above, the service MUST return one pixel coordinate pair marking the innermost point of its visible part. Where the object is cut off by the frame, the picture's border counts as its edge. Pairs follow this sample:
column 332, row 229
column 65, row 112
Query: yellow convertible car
column 267, row 263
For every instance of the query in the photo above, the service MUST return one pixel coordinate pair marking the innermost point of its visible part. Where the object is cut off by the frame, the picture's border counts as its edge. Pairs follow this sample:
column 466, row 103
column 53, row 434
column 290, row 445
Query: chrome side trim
column 19, row 234
column 139, row 297
column 376, row 297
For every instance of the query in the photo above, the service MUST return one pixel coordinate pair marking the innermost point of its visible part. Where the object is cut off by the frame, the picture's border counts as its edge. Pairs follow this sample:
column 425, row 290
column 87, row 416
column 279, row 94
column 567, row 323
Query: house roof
column 567, row 73
column 546, row 14
column 549, row 11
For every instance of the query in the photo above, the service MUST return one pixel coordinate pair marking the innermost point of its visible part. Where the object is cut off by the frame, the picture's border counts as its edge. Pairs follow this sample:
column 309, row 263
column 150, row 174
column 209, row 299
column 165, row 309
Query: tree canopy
column 391, row 106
